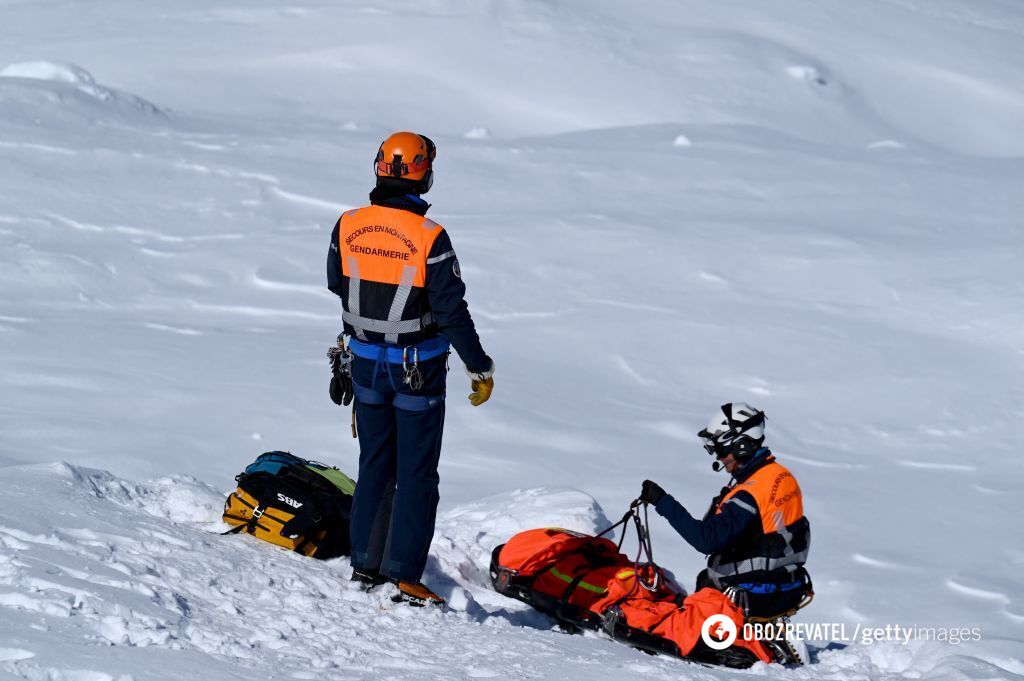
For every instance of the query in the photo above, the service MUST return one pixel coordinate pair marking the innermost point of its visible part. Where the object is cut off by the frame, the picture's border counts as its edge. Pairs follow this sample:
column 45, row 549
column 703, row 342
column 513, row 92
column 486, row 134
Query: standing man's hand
column 481, row 383
column 651, row 493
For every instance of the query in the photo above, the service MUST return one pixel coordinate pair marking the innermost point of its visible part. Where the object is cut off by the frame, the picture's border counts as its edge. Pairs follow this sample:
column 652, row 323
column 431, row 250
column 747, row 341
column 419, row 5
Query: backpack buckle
column 257, row 513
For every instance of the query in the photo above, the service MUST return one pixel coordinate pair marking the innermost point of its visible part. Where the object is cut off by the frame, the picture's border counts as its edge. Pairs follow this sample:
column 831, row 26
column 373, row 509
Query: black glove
column 341, row 389
column 652, row 493
column 341, row 374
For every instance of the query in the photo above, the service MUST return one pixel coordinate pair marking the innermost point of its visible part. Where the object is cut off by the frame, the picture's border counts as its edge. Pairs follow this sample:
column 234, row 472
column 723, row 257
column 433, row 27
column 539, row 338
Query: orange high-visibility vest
column 774, row 546
column 384, row 255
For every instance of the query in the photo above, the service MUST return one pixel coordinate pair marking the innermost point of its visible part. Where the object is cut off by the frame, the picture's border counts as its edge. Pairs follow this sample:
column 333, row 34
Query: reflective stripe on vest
column 379, row 245
column 779, row 505
column 790, row 563
column 387, row 327
column 401, row 297
column 353, row 295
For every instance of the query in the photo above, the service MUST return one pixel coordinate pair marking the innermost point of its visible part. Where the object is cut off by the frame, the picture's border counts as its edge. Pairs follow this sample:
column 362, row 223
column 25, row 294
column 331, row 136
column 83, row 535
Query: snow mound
column 469, row 533
column 177, row 498
column 102, row 577
column 39, row 84
column 94, row 568
column 44, row 70
column 503, row 515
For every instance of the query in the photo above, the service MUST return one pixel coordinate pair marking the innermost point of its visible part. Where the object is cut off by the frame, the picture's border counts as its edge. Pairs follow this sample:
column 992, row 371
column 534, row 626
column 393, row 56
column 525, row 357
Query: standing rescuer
column 754, row 533
column 404, row 307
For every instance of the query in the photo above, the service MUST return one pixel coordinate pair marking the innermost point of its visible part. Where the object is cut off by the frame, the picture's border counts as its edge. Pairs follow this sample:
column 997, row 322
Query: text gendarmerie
column 382, row 252
column 390, row 231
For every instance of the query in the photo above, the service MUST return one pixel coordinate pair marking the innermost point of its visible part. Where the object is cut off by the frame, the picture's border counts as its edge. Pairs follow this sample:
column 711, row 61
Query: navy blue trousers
column 395, row 503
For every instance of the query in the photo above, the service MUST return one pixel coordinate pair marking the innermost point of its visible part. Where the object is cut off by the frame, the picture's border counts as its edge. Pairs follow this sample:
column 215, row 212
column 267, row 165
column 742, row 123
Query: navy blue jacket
column 716, row 531
column 445, row 289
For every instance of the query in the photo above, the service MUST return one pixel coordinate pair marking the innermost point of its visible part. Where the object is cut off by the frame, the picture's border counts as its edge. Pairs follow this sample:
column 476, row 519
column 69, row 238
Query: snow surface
column 813, row 206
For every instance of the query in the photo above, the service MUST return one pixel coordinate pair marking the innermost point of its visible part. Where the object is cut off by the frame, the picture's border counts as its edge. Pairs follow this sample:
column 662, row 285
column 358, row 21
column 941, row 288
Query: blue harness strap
column 416, row 402
column 392, row 354
column 770, row 588
column 398, row 400
column 369, row 395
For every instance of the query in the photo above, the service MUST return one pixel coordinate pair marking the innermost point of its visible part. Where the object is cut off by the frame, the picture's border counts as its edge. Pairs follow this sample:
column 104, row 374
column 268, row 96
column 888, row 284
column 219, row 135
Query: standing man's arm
column 334, row 263
column 447, row 295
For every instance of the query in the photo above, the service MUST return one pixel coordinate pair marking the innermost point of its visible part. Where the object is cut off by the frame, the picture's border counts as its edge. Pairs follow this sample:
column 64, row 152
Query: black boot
column 367, row 579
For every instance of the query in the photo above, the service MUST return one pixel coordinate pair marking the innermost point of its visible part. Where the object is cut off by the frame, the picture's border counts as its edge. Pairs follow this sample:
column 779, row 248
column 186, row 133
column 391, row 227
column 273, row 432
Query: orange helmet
column 409, row 157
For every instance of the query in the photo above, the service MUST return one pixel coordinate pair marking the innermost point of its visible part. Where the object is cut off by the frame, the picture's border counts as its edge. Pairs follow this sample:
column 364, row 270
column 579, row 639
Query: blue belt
column 428, row 349
column 770, row 588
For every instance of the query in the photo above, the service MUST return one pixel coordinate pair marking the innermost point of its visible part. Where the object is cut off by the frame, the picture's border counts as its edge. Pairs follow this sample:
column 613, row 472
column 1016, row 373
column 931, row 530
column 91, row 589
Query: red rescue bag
column 587, row 582
column 559, row 570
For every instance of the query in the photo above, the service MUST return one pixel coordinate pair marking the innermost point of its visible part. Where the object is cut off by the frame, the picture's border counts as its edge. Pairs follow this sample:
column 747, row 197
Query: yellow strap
column 582, row 584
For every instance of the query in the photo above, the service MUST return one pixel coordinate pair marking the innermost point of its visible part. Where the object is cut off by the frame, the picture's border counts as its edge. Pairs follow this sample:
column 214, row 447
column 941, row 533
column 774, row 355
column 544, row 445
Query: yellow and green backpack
column 291, row 502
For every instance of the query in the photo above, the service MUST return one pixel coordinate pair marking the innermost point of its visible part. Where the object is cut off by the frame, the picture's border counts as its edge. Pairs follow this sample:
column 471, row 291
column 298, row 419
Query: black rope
column 644, row 547
column 644, row 540
column 625, row 519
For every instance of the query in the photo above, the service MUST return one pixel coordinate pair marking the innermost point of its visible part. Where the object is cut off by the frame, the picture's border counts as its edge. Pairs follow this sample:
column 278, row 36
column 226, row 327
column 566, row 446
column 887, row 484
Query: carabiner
column 413, row 378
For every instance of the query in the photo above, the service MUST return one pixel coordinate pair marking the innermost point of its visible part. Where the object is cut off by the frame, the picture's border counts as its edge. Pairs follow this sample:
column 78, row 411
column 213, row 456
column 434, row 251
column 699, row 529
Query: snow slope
column 127, row 580
column 812, row 206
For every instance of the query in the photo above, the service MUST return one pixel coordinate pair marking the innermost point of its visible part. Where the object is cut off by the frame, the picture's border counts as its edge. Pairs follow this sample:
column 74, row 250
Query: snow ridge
column 110, row 568
column 40, row 85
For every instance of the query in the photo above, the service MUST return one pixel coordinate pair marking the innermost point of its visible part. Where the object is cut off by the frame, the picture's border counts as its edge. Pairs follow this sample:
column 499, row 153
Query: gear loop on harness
column 340, row 356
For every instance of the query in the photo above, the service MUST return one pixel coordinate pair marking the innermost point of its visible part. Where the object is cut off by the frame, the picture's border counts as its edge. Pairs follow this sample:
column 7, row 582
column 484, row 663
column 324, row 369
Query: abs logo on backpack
column 288, row 500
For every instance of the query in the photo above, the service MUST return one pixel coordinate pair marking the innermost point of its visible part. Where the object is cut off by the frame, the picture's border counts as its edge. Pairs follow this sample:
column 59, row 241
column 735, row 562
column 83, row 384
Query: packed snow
column 810, row 205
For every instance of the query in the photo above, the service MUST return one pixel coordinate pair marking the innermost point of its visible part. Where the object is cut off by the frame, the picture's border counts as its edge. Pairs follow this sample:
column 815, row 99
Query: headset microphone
column 717, row 466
